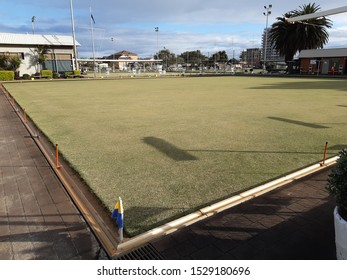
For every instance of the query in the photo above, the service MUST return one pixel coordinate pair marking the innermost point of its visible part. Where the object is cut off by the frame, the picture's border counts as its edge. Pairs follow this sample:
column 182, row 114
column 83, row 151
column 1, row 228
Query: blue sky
column 184, row 25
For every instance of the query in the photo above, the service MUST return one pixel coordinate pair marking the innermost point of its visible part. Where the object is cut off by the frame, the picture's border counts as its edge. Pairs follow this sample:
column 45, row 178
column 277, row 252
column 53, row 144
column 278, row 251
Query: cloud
column 183, row 24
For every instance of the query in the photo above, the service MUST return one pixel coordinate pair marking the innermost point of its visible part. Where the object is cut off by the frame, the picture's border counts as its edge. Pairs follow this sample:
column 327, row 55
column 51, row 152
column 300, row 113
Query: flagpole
column 73, row 36
column 93, row 45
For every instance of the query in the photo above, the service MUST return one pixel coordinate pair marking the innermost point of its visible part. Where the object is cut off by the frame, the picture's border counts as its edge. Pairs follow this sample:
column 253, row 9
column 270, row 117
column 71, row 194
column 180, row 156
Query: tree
column 193, row 58
column 15, row 63
column 289, row 38
column 219, row 60
column 10, row 62
column 41, row 52
column 167, row 56
column 221, row 57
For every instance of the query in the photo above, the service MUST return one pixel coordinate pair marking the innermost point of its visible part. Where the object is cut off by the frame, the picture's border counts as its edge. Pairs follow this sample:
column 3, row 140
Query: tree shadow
column 258, row 152
column 168, row 149
column 314, row 84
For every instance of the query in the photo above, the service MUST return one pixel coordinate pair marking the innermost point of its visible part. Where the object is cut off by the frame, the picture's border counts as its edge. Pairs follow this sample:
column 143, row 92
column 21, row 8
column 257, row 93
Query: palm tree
column 41, row 52
column 289, row 38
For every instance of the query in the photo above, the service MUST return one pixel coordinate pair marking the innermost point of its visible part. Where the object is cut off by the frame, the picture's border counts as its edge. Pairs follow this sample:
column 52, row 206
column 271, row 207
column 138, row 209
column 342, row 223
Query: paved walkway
column 39, row 221
column 37, row 218
column 294, row 222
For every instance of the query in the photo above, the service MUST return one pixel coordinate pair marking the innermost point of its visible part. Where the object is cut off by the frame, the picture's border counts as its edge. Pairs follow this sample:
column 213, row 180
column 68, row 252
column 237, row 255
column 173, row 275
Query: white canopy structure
column 318, row 15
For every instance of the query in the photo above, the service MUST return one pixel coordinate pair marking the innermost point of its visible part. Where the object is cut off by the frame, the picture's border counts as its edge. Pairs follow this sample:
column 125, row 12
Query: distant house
column 58, row 59
column 123, row 55
column 324, row 61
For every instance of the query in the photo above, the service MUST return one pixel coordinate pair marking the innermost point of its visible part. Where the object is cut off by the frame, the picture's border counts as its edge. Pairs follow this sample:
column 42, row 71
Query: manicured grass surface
column 169, row 146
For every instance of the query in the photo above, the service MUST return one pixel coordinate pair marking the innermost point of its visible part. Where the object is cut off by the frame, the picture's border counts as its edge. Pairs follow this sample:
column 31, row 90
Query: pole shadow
column 310, row 125
column 168, row 149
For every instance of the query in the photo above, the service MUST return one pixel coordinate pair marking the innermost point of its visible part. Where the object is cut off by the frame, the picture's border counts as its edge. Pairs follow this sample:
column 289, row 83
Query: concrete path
column 37, row 218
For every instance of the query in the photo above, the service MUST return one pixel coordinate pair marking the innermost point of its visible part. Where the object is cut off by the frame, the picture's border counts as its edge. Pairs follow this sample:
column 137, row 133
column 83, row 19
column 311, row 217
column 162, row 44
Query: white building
column 269, row 54
column 59, row 58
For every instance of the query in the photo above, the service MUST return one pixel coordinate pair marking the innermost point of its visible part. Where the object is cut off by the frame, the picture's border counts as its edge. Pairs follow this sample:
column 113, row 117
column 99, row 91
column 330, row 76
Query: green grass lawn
column 169, row 146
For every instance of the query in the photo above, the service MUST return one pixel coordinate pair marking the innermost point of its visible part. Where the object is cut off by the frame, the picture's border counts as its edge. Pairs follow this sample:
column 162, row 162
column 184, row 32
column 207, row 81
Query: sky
column 184, row 25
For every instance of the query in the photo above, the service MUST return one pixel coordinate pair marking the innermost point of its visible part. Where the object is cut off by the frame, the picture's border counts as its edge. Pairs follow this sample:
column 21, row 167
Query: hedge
column 6, row 75
column 77, row 72
column 74, row 73
column 47, row 73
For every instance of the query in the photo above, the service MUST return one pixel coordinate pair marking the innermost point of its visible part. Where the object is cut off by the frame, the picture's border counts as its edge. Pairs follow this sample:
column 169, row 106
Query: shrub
column 68, row 73
column 6, row 75
column 74, row 73
column 55, row 75
column 26, row 77
column 337, row 183
column 47, row 73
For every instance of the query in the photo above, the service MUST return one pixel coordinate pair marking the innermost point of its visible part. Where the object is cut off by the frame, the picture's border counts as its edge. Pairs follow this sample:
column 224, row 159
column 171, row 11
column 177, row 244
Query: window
column 19, row 54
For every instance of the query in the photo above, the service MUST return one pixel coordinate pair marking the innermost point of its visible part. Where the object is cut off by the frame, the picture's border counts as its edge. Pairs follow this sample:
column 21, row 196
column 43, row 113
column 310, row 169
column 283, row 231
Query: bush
column 68, row 73
column 76, row 72
column 26, row 77
column 55, row 75
column 47, row 73
column 73, row 74
column 6, row 75
column 337, row 183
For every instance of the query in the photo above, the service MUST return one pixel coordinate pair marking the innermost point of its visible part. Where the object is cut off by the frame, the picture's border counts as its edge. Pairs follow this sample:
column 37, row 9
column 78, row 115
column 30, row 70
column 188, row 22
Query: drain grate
column 147, row 252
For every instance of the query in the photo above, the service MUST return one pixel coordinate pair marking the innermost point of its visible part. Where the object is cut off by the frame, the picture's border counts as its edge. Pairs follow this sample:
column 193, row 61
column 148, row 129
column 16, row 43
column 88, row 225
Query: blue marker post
column 118, row 215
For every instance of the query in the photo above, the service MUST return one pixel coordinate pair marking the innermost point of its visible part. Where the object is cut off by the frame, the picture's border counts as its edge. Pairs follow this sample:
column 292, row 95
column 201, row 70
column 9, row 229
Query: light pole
column 266, row 13
column 157, row 31
column 73, row 36
column 112, row 39
column 33, row 23
column 93, row 44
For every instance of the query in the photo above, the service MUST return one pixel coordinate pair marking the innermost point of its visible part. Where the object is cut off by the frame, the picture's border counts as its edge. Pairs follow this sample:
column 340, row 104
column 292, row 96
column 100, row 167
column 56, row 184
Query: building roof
column 122, row 54
column 125, row 53
column 339, row 52
column 36, row 39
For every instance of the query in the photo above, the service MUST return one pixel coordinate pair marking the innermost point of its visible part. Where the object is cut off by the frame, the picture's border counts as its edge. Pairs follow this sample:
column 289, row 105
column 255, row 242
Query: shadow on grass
column 142, row 218
column 168, row 149
column 260, row 152
column 314, row 84
column 310, row 125
column 338, row 147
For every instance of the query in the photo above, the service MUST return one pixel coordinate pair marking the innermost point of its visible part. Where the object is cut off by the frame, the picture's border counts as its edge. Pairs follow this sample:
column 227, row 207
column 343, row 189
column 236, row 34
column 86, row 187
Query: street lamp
column 266, row 13
column 73, row 36
column 112, row 39
column 157, row 31
column 33, row 23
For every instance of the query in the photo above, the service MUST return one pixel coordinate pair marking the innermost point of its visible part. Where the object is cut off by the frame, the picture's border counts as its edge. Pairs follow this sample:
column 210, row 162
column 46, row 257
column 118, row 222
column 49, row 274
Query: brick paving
column 294, row 222
column 37, row 218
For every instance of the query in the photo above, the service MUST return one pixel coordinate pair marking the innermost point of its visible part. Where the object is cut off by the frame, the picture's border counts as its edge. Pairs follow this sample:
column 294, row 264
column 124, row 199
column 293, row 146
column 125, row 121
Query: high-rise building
column 252, row 57
column 269, row 54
